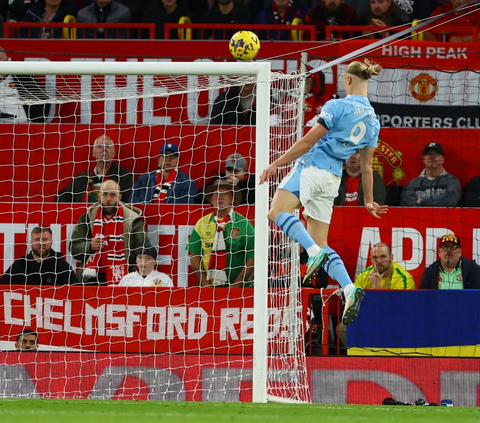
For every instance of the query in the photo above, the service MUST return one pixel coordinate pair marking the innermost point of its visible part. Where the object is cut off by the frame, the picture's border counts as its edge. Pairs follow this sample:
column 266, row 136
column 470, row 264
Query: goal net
column 67, row 128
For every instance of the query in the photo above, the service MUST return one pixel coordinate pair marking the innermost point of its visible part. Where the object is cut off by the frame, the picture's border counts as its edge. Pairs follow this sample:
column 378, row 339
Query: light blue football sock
column 336, row 268
column 294, row 229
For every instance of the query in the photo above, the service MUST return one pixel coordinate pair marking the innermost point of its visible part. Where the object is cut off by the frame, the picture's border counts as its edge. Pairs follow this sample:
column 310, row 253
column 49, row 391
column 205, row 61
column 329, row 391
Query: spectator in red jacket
column 280, row 12
column 332, row 12
column 460, row 18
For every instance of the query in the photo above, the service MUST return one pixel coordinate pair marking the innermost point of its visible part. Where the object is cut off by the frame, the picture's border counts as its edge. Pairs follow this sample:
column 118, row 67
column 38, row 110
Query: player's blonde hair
column 364, row 70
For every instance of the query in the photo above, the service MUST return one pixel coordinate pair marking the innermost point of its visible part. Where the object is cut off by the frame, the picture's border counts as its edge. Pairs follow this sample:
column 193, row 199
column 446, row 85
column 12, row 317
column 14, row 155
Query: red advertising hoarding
column 174, row 377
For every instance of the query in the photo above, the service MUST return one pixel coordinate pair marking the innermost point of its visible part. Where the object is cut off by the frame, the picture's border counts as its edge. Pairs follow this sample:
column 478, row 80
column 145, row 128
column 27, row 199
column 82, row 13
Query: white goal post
column 260, row 74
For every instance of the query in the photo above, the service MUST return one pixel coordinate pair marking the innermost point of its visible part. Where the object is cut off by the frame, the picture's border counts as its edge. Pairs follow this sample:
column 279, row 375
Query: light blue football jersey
column 352, row 125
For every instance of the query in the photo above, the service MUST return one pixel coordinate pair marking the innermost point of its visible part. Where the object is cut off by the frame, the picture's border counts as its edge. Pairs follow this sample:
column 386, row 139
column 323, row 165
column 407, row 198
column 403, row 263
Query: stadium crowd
column 319, row 13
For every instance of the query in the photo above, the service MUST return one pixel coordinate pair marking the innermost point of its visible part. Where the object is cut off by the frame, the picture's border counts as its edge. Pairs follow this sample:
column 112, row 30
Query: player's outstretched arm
column 302, row 146
column 366, row 159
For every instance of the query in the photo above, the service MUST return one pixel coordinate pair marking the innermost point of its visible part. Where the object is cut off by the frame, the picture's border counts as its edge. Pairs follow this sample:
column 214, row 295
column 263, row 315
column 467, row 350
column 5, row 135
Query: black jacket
column 75, row 191
column 470, row 273
column 53, row 270
column 29, row 88
column 227, row 110
column 379, row 190
column 472, row 193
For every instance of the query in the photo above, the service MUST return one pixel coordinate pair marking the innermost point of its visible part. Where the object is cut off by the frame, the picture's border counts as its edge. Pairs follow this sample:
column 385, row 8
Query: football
column 244, row 45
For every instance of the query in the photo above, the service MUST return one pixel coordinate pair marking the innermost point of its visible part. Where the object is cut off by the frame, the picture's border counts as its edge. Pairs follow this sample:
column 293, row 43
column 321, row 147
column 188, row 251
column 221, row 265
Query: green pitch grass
column 86, row 411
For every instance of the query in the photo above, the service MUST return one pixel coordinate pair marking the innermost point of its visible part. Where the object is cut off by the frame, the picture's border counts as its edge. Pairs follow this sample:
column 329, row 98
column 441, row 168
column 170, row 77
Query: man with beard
column 27, row 340
column 452, row 270
column 105, row 237
column 86, row 185
column 384, row 273
column 332, row 12
column 221, row 246
column 167, row 184
column 386, row 13
column 41, row 266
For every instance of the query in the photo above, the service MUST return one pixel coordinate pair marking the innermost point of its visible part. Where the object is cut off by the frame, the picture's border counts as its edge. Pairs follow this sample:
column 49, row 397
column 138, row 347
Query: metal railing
column 342, row 32
column 297, row 32
column 71, row 30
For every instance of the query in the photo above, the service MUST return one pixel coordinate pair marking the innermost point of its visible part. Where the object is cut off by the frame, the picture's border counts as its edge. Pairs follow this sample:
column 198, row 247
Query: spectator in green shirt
column 451, row 270
column 221, row 246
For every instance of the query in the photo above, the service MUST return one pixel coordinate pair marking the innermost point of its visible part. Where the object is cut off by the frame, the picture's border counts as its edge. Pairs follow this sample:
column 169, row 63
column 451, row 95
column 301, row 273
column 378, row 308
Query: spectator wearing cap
column 221, row 246
column 167, row 184
column 384, row 273
column 434, row 187
column 452, row 270
column 332, row 12
column 236, row 171
column 146, row 273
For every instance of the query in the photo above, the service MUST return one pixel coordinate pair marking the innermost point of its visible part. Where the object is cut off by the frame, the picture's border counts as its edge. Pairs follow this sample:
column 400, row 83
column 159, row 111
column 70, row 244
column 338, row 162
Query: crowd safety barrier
column 297, row 32
column 342, row 32
column 78, row 30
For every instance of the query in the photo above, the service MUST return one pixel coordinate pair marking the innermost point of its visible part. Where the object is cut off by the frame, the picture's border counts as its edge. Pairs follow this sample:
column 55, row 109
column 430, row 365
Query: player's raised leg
column 283, row 205
column 318, row 191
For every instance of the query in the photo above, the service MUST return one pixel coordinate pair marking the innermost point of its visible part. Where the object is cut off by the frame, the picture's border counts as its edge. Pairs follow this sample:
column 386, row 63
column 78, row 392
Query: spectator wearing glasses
column 452, row 270
column 85, row 186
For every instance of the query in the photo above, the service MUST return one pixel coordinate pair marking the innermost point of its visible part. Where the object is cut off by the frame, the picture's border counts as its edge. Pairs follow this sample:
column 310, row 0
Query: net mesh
column 155, row 343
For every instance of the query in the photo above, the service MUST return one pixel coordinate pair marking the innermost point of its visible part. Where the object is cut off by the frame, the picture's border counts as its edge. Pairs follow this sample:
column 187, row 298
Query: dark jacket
column 182, row 191
column 227, row 110
column 472, row 193
column 35, row 14
column 297, row 10
column 53, row 270
column 470, row 273
column 112, row 13
column 75, row 191
column 320, row 16
column 443, row 191
column 30, row 89
column 156, row 13
column 237, row 16
column 379, row 190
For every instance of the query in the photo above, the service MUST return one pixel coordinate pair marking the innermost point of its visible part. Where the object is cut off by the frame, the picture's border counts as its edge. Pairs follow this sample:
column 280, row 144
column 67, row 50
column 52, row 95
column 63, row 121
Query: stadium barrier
column 343, row 32
column 82, row 30
column 296, row 32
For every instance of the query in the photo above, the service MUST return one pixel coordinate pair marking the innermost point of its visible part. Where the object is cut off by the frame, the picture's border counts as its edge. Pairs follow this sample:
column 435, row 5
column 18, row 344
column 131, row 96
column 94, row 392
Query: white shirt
column 10, row 102
column 154, row 278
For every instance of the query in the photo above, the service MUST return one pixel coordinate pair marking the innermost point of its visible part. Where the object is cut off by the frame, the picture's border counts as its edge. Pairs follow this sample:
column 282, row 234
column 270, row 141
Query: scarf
column 281, row 19
column 110, row 259
column 95, row 181
column 218, row 258
column 161, row 189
